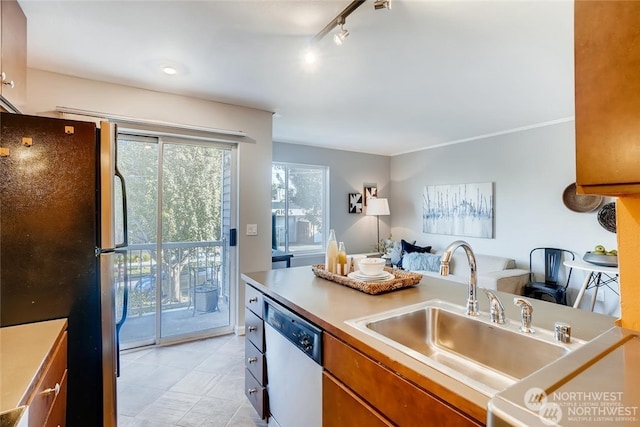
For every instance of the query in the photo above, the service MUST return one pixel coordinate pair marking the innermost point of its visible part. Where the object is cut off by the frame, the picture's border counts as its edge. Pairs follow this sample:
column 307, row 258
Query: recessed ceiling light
column 170, row 71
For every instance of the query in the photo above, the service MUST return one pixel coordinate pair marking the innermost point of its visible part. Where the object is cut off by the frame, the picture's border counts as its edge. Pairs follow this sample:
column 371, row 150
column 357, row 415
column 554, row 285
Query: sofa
column 493, row 272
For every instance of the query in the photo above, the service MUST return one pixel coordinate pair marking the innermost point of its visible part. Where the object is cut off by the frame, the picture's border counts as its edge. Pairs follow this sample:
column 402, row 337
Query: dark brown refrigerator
column 57, row 248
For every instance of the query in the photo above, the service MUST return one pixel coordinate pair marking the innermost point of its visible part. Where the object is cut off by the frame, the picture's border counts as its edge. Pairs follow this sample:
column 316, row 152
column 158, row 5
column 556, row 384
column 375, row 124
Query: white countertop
column 23, row 351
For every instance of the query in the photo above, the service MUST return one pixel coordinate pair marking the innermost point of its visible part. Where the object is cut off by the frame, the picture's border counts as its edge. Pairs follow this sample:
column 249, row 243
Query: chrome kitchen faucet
column 472, row 300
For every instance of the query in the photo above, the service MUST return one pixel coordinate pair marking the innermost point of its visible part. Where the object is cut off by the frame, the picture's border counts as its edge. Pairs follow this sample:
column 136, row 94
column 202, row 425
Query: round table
column 597, row 276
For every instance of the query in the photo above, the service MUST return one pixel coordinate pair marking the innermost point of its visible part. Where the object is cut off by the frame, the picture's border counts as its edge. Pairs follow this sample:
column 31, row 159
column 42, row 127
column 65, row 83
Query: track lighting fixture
column 382, row 4
column 338, row 38
column 338, row 20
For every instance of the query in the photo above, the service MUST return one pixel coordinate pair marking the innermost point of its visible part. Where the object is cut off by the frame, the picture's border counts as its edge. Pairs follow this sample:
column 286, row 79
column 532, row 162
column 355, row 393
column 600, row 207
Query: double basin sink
column 488, row 357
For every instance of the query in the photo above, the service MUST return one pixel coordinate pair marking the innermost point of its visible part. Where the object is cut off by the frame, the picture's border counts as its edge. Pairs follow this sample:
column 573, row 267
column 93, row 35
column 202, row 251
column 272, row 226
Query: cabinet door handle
column 252, row 359
column 54, row 390
column 253, row 328
column 253, row 299
column 252, row 390
column 7, row 83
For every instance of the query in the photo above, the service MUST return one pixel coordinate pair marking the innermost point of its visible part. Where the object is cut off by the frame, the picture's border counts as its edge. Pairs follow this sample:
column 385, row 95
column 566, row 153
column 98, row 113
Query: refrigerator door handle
column 125, row 222
column 125, row 306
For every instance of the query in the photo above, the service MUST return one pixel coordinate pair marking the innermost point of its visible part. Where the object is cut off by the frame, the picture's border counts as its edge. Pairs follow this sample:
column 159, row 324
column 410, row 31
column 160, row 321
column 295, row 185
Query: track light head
column 338, row 38
column 382, row 4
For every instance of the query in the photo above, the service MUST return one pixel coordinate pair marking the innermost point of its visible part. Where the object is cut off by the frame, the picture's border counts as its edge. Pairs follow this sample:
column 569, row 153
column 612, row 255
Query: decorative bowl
column 372, row 266
column 601, row 259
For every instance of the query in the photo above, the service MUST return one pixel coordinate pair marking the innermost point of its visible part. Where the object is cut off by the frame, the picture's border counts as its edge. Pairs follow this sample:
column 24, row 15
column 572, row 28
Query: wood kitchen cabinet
column 607, row 96
column 13, row 55
column 342, row 407
column 34, row 371
column 357, row 384
column 47, row 406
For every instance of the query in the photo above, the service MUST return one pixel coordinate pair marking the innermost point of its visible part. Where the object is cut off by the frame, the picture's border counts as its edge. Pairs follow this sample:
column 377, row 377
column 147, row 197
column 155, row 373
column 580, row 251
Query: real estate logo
column 580, row 407
column 535, row 398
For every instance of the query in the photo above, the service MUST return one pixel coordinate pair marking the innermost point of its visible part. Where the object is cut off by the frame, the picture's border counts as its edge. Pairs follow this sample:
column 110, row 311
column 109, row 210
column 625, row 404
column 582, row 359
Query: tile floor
column 200, row 383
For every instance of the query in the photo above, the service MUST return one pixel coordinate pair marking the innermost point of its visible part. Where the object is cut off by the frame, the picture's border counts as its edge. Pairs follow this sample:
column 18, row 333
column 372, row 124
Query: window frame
column 286, row 246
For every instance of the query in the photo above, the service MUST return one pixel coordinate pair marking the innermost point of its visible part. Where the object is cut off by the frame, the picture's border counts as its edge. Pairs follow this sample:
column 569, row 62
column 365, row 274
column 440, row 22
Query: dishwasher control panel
column 300, row 332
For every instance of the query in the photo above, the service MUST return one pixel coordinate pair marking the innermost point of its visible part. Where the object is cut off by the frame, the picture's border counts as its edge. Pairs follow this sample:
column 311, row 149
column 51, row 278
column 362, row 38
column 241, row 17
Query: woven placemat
column 402, row 279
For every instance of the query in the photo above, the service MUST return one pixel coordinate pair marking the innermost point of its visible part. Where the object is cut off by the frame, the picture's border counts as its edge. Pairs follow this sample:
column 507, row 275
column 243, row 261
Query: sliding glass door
column 178, row 282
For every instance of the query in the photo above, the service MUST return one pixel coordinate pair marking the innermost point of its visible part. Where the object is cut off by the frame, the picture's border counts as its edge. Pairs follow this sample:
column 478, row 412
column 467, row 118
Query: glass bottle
column 342, row 260
column 331, row 257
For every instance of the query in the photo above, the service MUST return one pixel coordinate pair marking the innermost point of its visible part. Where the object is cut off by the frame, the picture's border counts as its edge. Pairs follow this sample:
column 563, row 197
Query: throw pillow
column 395, row 252
column 408, row 248
column 416, row 261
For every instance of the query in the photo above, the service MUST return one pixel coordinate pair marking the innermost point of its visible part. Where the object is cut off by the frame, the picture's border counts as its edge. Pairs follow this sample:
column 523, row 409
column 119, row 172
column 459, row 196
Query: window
column 299, row 207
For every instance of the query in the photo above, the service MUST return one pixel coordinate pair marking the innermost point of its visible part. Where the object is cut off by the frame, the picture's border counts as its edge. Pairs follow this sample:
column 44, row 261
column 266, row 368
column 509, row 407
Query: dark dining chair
column 550, row 287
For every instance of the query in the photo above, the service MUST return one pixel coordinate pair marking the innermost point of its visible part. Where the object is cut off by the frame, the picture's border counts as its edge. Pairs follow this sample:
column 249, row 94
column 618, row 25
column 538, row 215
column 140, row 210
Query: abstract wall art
column 459, row 210
column 355, row 203
column 369, row 192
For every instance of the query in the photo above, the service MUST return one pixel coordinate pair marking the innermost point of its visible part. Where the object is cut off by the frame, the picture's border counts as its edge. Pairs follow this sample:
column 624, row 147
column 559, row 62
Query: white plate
column 365, row 278
column 370, row 276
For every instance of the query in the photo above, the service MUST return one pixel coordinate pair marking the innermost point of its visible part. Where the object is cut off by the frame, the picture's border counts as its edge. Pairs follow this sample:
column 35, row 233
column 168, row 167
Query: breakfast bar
column 375, row 373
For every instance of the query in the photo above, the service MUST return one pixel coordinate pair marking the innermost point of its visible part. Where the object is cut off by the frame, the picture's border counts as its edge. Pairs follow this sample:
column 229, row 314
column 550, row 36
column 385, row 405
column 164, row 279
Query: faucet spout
column 472, row 300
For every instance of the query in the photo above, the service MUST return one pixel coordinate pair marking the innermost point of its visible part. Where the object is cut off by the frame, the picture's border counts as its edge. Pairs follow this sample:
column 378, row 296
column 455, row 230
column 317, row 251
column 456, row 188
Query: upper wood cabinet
column 607, row 96
column 13, row 55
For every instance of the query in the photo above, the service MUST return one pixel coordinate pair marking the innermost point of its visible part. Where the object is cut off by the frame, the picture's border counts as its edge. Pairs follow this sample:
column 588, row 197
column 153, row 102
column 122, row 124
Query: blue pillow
column 395, row 253
column 416, row 261
column 412, row 247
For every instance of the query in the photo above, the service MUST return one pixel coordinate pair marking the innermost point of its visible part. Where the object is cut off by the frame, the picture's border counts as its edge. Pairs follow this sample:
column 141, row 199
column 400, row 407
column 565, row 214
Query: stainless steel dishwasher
column 294, row 368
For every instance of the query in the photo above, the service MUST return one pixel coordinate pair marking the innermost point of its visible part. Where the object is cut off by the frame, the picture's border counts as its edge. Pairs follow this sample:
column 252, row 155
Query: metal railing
column 185, row 269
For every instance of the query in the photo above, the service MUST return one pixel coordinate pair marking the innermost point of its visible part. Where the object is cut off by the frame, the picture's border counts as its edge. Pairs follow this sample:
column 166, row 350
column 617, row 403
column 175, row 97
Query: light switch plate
column 252, row 229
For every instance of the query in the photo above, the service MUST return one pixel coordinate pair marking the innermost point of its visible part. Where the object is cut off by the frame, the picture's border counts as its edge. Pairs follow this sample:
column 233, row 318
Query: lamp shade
column 378, row 207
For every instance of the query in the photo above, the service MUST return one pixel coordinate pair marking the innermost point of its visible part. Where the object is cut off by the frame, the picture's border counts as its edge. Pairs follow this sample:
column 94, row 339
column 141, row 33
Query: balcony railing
column 186, row 268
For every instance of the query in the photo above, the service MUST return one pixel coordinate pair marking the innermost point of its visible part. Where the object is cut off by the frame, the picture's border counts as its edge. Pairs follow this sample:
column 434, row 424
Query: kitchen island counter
column 329, row 305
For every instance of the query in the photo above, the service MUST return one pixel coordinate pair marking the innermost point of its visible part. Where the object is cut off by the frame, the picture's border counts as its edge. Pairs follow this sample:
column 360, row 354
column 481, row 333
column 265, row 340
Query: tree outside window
column 298, row 198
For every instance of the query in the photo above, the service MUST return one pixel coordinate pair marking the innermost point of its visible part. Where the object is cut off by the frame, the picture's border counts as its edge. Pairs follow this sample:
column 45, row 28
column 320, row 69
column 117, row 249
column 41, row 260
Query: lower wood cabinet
column 359, row 384
column 47, row 406
column 33, row 372
column 341, row 407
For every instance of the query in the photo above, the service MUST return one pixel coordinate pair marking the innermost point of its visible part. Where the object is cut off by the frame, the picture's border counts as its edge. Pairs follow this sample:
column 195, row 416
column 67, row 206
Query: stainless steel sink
column 487, row 356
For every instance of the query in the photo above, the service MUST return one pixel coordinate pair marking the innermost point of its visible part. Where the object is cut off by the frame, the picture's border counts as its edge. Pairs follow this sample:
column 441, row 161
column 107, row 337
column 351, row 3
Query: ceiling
column 422, row 74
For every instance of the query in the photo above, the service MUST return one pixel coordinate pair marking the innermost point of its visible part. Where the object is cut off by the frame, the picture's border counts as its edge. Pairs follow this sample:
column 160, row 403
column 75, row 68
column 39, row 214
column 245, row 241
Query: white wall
column 530, row 170
column 349, row 172
column 48, row 90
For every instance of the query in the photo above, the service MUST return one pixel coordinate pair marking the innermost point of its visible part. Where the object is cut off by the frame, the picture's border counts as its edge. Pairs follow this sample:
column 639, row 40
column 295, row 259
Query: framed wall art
column 459, row 210
column 370, row 192
column 355, row 203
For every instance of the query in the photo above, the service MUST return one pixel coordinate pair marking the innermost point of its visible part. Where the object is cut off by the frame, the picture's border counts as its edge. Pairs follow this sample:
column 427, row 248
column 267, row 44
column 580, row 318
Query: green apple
column 599, row 249
column 612, row 252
